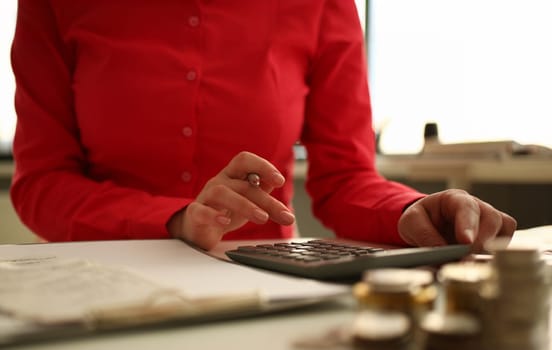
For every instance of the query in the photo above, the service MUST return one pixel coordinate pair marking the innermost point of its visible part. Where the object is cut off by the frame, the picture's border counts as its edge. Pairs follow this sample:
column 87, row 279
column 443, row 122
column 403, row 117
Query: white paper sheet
column 57, row 290
column 174, row 264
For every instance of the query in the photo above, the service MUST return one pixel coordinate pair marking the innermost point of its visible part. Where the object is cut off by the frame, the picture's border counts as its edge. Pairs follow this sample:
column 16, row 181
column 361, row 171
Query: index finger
column 464, row 210
column 246, row 163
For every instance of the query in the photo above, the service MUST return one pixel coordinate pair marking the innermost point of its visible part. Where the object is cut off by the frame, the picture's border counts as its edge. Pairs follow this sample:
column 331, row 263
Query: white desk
column 276, row 331
column 174, row 264
column 269, row 332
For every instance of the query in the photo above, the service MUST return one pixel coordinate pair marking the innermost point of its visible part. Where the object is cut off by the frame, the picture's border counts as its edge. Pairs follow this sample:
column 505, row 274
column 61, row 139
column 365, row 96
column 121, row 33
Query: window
column 8, row 10
column 481, row 69
column 361, row 9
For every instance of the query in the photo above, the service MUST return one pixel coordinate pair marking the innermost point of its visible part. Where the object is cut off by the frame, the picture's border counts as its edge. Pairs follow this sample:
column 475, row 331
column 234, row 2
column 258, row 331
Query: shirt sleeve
column 50, row 190
column 349, row 195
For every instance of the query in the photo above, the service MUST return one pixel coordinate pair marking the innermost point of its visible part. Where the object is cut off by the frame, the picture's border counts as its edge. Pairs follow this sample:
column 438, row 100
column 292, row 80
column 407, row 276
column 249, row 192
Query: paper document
column 60, row 291
column 539, row 236
column 147, row 280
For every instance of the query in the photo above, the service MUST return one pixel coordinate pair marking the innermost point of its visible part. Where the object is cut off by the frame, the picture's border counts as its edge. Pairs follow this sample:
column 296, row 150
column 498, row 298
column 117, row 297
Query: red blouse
column 126, row 108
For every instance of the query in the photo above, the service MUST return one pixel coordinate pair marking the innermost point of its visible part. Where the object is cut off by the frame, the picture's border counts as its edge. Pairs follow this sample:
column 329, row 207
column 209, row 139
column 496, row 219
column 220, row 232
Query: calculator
column 330, row 260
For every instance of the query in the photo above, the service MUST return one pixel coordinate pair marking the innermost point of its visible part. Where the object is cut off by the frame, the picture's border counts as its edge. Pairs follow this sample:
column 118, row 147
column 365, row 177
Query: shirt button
column 191, row 75
column 187, row 131
column 193, row 21
column 186, row 176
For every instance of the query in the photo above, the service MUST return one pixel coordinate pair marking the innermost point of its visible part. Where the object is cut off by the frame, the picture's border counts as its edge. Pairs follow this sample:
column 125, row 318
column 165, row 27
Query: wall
column 11, row 228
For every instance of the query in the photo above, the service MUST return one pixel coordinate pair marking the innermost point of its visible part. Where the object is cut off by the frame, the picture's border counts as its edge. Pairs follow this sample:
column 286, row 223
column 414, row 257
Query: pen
column 254, row 179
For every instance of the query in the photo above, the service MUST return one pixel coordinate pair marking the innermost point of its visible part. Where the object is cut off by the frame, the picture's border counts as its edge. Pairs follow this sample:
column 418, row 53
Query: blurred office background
column 480, row 69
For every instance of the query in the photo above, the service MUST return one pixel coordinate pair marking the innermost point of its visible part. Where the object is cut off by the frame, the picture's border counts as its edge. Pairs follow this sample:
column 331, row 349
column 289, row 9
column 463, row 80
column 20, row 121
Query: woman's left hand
column 453, row 216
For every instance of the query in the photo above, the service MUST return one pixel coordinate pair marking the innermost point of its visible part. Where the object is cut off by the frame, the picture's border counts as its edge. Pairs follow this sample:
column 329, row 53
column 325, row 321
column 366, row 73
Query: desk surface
column 269, row 332
column 274, row 331
column 174, row 264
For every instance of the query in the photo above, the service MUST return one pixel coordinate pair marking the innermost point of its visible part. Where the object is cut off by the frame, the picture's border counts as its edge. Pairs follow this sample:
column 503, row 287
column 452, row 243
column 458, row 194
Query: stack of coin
column 377, row 330
column 450, row 331
column 522, row 299
column 410, row 291
column 462, row 283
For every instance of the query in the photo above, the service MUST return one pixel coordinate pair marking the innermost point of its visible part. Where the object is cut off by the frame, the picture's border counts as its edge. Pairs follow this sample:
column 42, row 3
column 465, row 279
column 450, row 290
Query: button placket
column 191, row 75
column 186, row 176
column 187, row 131
column 193, row 21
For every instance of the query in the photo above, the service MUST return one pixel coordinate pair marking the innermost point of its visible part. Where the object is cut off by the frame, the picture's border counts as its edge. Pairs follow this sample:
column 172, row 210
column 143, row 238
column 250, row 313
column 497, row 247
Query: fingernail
column 470, row 234
column 278, row 178
column 287, row 217
column 260, row 215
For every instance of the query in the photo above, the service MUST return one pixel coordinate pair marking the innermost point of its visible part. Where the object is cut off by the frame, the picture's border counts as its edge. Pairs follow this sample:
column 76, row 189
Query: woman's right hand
column 228, row 201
